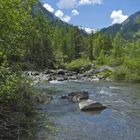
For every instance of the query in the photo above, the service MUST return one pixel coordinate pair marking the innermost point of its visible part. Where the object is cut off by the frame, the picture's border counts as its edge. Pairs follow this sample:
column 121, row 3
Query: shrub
column 133, row 65
column 15, row 103
column 120, row 73
column 77, row 64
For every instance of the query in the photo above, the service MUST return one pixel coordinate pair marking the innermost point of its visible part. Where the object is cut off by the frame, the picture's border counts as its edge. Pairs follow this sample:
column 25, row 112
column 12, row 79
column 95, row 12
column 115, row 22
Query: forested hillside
column 53, row 41
column 129, row 28
column 66, row 46
column 31, row 38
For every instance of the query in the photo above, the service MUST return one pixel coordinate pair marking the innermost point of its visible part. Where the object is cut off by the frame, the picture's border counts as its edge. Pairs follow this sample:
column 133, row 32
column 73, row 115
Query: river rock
column 64, row 97
column 95, row 78
column 49, row 71
column 34, row 73
column 80, row 76
column 70, row 73
column 61, row 72
column 103, row 68
column 49, row 77
column 42, row 98
column 98, row 70
column 90, row 105
column 74, row 77
column 76, row 96
column 88, row 67
column 101, row 77
column 89, row 73
column 62, row 78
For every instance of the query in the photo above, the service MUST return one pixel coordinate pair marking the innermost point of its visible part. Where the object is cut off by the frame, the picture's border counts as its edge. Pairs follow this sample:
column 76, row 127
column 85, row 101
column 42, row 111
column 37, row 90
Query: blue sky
column 92, row 13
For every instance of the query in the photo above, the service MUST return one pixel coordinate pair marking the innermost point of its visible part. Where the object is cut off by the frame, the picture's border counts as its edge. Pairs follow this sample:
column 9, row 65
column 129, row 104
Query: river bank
column 90, row 73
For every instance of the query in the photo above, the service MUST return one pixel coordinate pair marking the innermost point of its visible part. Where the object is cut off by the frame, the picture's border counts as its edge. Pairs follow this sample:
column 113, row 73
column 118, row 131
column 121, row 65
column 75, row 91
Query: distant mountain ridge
column 128, row 28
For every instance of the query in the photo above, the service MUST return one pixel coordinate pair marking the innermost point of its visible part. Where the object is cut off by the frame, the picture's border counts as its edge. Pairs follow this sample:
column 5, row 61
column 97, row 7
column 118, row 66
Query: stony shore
column 51, row 75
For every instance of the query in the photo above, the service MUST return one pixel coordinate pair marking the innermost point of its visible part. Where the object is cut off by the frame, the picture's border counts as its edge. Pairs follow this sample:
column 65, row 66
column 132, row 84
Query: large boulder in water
column 76, row 96
column 90, row 105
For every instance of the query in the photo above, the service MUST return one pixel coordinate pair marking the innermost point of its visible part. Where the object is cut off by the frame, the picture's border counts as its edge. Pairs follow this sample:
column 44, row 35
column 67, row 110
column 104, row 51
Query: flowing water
column 120, row 121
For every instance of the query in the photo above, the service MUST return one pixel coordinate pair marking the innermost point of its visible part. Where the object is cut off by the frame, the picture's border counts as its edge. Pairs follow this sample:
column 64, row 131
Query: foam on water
column 55, row 82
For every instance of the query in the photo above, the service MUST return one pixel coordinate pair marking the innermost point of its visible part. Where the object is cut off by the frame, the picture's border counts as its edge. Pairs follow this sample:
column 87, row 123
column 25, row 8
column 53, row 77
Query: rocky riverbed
column 119, row 121
column 112, row 109
column 84, row 74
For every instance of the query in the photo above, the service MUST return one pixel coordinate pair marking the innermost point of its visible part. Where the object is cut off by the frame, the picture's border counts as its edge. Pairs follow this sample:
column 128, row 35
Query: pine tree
column 91, row 57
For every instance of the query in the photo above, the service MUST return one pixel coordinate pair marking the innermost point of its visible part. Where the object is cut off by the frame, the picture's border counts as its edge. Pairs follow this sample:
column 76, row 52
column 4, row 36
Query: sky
column 95, row 14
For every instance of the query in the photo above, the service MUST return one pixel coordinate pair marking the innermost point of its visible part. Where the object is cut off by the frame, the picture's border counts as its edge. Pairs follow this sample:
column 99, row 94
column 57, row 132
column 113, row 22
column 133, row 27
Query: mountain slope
column 53, row 20
column 128, row 28
column 50, row 16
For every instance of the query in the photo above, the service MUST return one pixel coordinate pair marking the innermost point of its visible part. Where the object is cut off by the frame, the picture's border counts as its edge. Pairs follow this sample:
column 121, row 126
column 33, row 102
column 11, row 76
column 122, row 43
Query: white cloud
column 59, row 13
column 75, row 12
column 67, row 4
column 48, row 7
column 66, row 18
column 63, row 17
column 85, row 2
column 118, row 17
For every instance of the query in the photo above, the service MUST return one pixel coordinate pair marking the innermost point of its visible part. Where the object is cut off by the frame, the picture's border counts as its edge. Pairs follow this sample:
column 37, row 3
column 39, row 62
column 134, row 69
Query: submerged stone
column 76, row 96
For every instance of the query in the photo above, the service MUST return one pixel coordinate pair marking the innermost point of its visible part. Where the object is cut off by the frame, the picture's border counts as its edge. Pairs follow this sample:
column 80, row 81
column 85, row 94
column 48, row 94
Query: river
column 120, row 121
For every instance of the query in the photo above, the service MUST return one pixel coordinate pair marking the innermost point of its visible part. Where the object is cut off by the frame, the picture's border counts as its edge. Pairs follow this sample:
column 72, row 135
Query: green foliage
column 91, row 57
column 15, row 92
column 107, row 73
column 118, row 53
column 60, row 59
column 15, row 25
column 101, row 60
column 40, row 52
column 9, row 83
column 115, row 62
column 15, row 102
column 120, row 73
column 99, row 44
column 14, row 88
column 117, row 46
column 77, row 64
column 133, row 65
column 16, row 28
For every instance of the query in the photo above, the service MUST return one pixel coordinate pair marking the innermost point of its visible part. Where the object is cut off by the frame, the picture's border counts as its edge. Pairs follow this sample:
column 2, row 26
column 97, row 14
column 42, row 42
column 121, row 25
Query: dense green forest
column 29, row 41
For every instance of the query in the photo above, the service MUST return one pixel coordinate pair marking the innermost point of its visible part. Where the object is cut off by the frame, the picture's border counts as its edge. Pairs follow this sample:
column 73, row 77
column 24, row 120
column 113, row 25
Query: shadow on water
column 92, row 113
